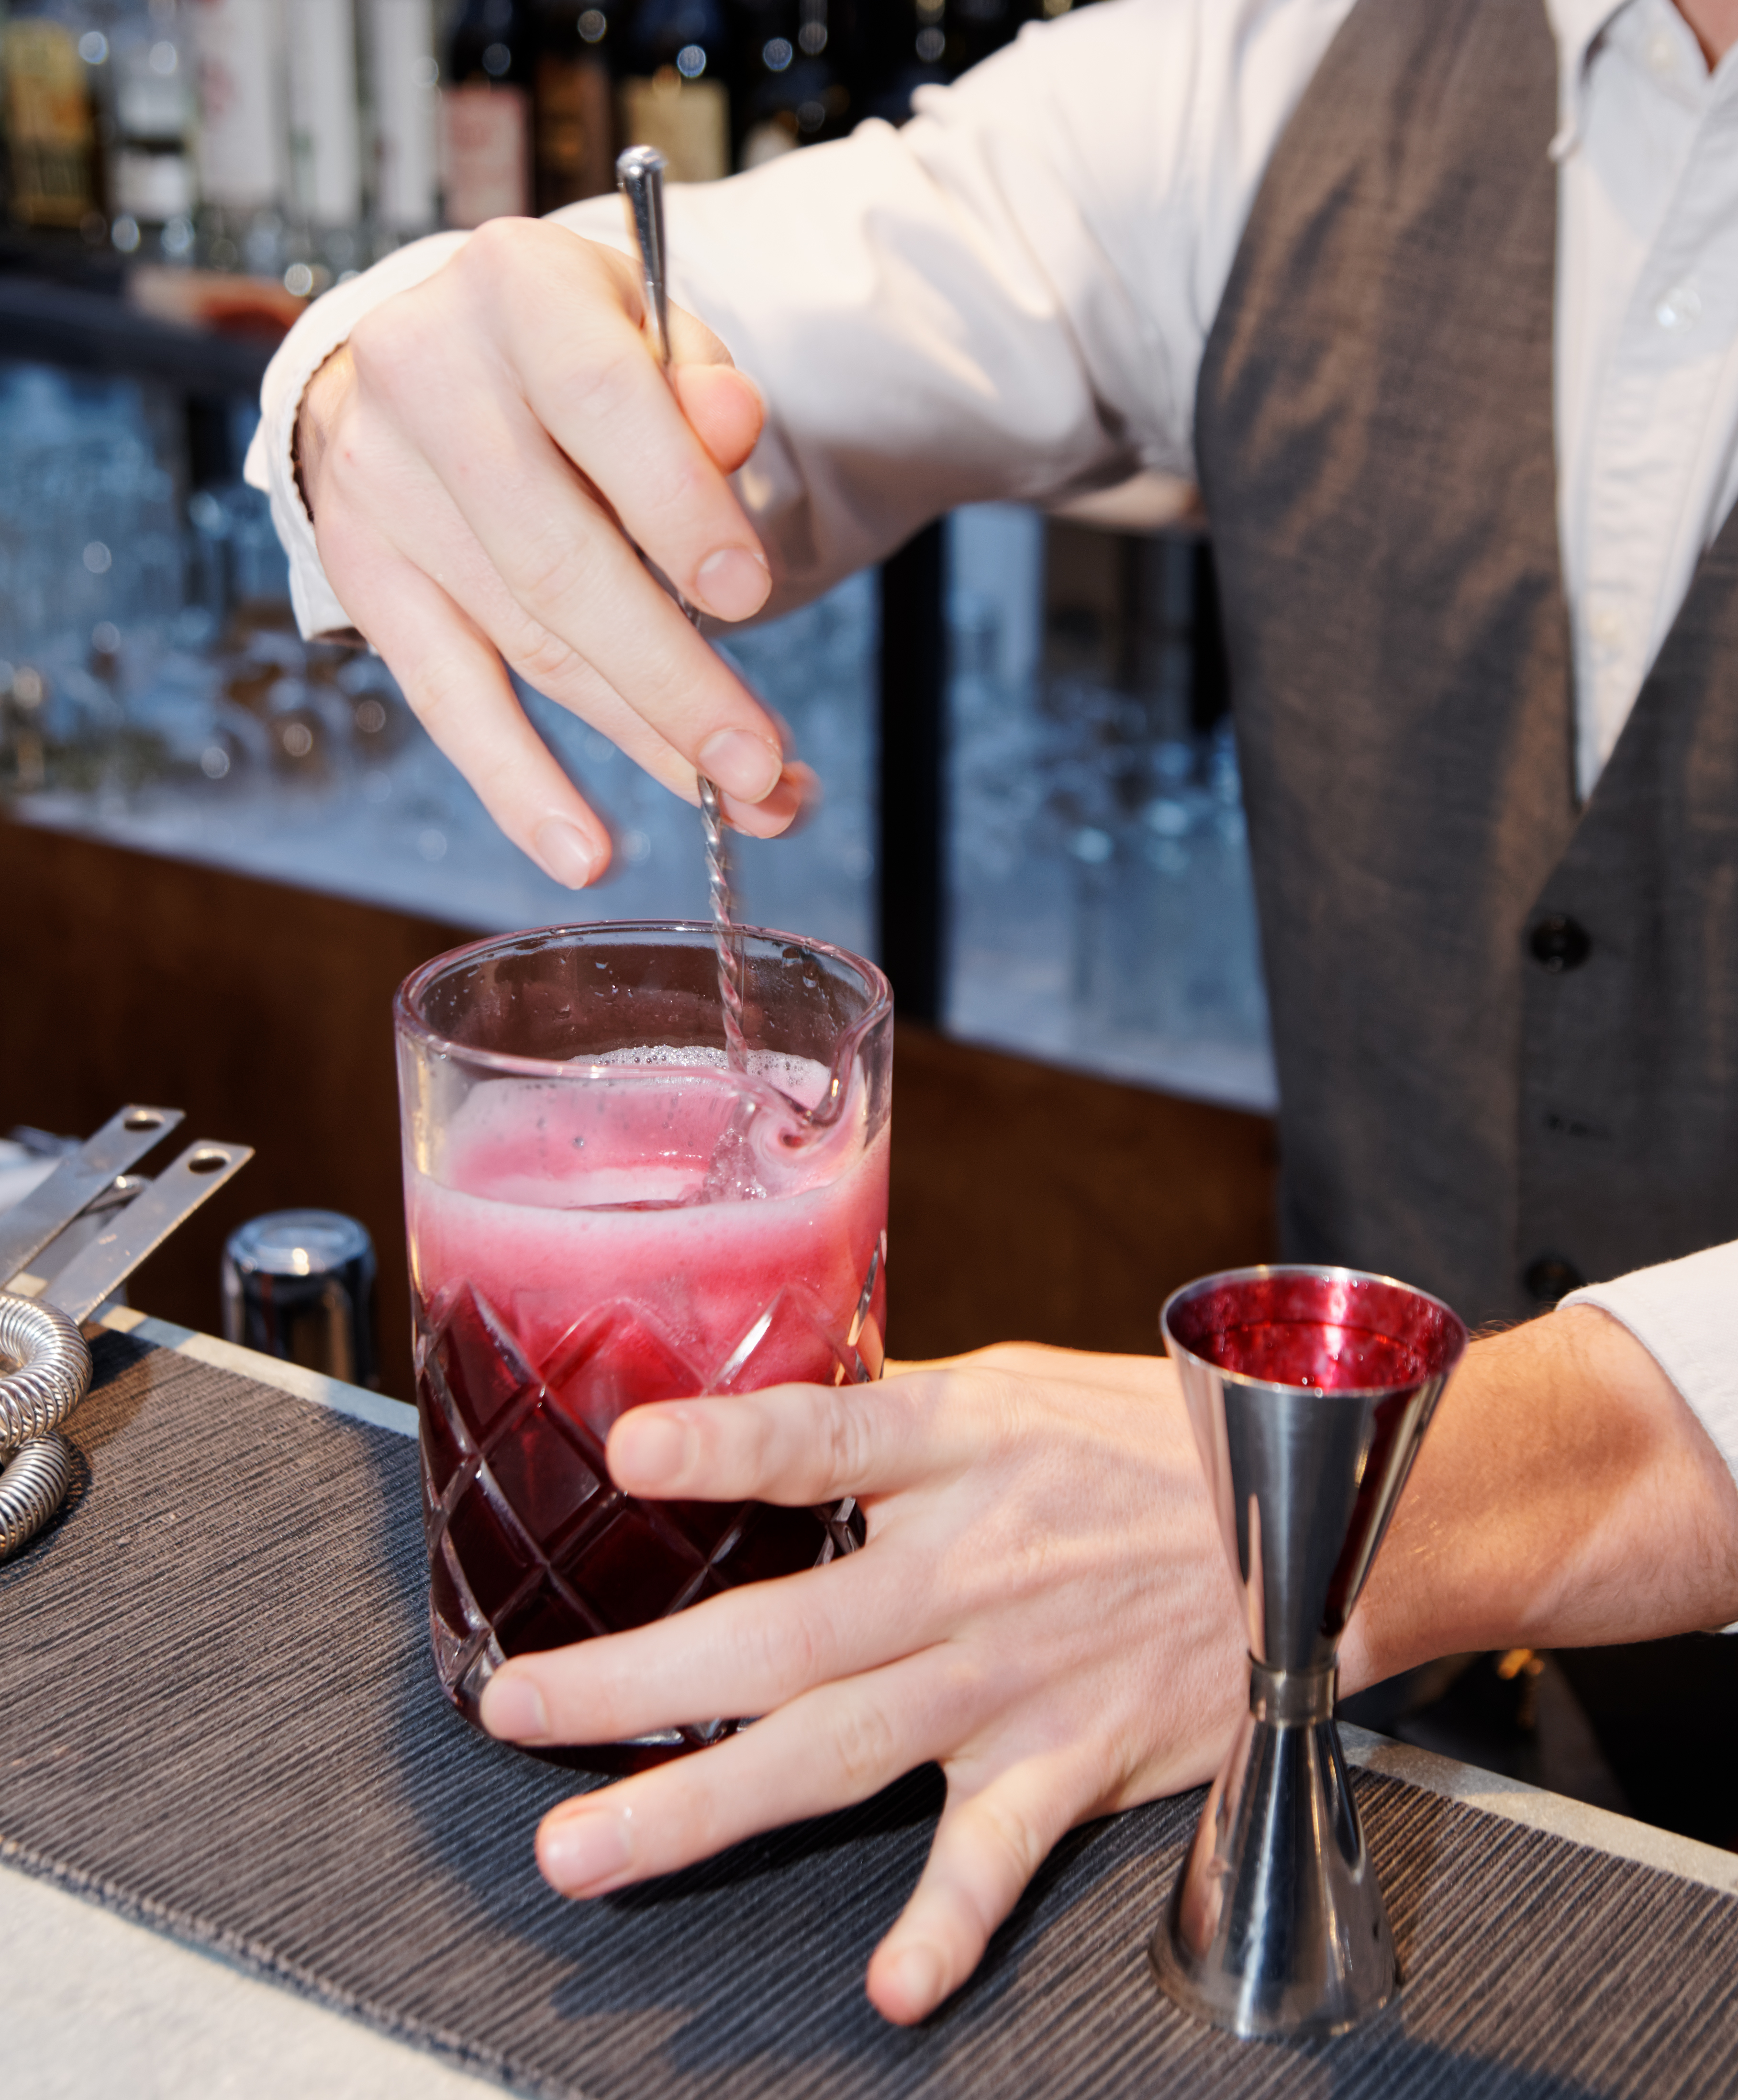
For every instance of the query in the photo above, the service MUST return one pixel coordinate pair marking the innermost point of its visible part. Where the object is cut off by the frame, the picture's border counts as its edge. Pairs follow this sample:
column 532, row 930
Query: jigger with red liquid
column 1309, row 1391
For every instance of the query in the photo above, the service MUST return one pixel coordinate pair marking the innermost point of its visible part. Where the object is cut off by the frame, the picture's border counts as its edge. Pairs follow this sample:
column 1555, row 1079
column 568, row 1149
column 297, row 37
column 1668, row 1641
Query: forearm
column 1566, row 1496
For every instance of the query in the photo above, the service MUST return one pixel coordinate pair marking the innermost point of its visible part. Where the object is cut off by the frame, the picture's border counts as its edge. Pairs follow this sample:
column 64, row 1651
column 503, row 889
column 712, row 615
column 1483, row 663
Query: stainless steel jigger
column 1309, row 1391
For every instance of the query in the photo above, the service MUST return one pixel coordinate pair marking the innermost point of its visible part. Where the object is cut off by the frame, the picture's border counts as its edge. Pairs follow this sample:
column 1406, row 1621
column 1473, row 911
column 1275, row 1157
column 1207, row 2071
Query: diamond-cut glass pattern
column 543, row 1474
column 613, row 1359
column 531, row 1545
column 481, row 1366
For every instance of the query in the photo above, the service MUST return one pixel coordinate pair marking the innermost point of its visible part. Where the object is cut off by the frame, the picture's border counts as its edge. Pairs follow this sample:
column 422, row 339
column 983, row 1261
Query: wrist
column 1565, row 1496
column 309, row 433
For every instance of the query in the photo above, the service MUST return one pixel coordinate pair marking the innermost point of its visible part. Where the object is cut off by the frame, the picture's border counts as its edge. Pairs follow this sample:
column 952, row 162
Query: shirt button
column 1551, row 1279
column 1662, row 54
column 1558, row 944
column 1681, row 308
column 1606, row 627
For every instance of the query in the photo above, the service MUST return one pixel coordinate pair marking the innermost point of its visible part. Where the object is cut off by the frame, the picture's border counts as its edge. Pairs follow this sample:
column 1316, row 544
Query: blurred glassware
column 154, row 690
column 1100, row 907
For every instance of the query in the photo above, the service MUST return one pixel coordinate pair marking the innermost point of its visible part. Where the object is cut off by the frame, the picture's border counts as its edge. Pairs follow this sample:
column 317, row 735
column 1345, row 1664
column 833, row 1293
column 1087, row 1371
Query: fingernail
column 732, row 582
column 564, row 852
column 793, row 802
column 918, row 1974
column 742, row 764
column 581, row 1851
column 651, row 1447
column 512, row 1709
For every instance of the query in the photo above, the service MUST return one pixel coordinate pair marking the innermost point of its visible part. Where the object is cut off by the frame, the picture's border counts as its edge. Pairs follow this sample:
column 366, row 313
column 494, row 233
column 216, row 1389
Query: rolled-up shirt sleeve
column 1007, row 297
column 1681, row 1312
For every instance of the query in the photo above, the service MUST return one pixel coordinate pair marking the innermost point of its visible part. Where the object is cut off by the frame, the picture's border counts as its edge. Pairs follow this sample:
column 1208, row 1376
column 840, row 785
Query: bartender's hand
column 481, row 460
column 1043, row 1607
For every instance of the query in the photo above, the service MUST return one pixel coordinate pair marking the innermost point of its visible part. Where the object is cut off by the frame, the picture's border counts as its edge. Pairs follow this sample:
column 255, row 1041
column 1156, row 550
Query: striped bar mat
column 217, row 1714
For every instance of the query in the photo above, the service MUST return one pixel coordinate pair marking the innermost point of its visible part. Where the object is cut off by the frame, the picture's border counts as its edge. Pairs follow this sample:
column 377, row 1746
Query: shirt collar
column 1578, row 24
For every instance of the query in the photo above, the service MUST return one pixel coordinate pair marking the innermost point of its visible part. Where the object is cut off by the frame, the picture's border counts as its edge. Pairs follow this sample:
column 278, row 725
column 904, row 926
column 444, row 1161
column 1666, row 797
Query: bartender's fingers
column 572, row 677
column 456, row 684
column 510, row 531
column 442, row 546
column 594, row 384
column 987, row 1846
column 532, row 313
column 798, row 1444
column 534, row 417
column 381, row 547
column 828, row 1749
column 744, row 1652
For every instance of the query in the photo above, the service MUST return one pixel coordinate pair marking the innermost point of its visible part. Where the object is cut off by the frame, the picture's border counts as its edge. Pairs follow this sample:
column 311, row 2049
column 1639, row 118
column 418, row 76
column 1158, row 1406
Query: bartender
column 1437, row 306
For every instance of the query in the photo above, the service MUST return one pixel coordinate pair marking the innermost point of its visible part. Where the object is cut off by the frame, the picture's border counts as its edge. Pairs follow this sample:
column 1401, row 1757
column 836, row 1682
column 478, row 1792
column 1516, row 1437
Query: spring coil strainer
column 45, row 1368
column 51, row 1374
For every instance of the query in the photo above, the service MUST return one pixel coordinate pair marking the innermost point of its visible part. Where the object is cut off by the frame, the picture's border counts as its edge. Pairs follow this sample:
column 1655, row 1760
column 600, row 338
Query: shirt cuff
column 327, row 323
column 1681, row 1313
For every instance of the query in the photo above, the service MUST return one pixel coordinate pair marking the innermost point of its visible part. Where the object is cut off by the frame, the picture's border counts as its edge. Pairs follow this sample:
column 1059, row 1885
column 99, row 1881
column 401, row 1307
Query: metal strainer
column 39, row 1323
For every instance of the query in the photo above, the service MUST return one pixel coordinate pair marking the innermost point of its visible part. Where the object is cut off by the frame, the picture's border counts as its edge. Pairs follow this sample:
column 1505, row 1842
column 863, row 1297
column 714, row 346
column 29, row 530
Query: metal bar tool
column 39, row 1334
column 639, row 175
column 1309, row 1391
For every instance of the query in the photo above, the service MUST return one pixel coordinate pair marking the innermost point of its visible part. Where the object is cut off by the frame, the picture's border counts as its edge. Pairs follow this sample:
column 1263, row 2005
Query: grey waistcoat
column 1508, row 1027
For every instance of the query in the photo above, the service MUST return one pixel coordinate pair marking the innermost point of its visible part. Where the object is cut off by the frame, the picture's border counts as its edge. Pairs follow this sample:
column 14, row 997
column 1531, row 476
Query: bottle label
column 48, row 113
column 401, row 52
column 325, row 145
column 153, row 187
column 687, row 120
column 150, row 104
column 240, row 154
column 485, row 153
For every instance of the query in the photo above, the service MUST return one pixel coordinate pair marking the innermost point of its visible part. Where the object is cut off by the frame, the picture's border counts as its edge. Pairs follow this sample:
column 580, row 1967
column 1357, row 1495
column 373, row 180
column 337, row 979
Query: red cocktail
column 602, row 1213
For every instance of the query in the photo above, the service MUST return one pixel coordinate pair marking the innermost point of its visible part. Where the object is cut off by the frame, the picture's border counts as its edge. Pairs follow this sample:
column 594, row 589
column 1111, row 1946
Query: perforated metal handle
column 41, row 1340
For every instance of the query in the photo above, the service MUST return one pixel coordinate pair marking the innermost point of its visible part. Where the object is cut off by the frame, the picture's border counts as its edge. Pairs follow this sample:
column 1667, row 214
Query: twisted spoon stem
column 726, row 935
column 639, row 174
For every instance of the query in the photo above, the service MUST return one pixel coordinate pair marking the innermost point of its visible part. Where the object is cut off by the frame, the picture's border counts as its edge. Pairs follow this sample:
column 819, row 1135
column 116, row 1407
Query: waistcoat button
column 1551, row 1278
column 1558, row 944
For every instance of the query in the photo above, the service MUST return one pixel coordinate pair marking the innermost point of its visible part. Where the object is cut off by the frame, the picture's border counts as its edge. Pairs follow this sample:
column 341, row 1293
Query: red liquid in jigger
column 593, row 1248
column 1331, row 1357
column 1322, row 1330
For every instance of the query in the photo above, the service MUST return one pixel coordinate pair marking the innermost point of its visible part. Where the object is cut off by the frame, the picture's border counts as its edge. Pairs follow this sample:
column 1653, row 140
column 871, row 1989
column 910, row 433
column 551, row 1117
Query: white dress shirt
column 1009, row 298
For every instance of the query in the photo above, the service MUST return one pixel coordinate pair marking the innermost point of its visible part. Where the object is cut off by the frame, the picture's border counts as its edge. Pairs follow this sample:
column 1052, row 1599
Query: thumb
column 723, row 409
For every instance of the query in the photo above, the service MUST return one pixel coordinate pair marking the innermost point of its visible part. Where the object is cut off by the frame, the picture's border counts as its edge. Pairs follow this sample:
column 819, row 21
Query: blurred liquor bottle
column 403, row 77
column 325, row 131
column 794, row 74
column 153, row 190
column 486, row 112
column 50, row 121
column 574, row 112
column 674, row 91
column 907, row 44
column 242, row 134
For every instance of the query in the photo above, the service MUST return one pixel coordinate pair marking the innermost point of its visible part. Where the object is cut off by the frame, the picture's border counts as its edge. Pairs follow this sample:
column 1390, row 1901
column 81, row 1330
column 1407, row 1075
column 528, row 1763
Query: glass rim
column 1336, row 1272
column 410, row 1021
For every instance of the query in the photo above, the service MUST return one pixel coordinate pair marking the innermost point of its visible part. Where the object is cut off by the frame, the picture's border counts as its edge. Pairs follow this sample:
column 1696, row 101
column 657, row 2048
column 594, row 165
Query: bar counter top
column 328, row 1890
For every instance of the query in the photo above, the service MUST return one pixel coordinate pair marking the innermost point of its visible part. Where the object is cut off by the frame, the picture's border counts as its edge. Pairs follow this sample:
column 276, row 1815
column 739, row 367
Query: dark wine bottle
column 794, row 75
column 573, row 113
column 674, row 91
column 909, row 44
column 486, row 112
